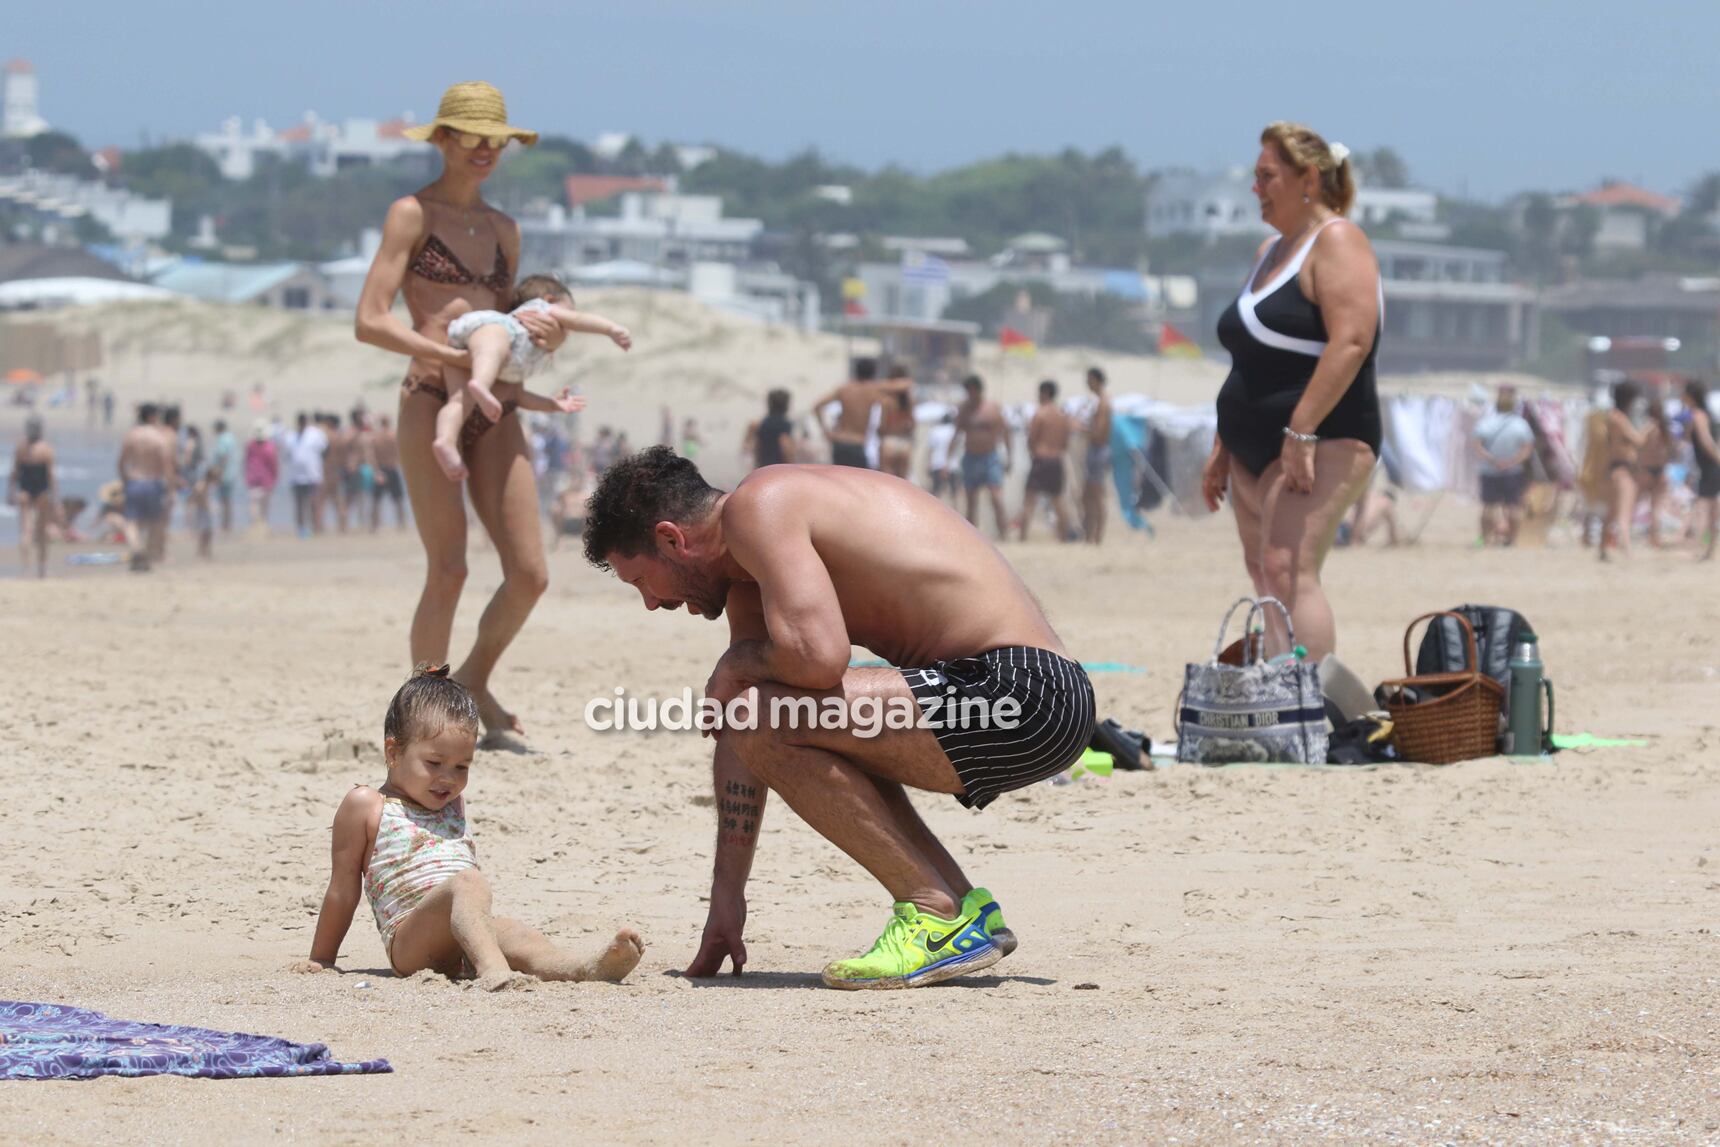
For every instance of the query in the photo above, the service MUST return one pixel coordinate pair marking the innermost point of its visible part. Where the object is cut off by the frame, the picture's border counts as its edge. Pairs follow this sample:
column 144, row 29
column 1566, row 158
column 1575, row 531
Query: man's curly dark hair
column 637, row 492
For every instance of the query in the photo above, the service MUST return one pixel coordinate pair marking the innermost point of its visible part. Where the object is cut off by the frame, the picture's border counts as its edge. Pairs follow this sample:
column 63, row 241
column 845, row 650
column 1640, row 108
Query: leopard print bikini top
column 438, row 264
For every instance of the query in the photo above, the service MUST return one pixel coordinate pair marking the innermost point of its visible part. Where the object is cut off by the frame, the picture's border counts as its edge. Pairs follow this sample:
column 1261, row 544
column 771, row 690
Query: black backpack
column 1497, row 631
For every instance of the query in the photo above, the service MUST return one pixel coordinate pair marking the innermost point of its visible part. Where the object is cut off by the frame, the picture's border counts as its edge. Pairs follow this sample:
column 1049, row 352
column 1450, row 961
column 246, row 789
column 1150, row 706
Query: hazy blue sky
column 1489, row 97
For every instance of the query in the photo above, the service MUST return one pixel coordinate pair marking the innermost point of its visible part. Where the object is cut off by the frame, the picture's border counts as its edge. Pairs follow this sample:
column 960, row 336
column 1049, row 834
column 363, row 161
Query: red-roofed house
column 1628, row 215
column 1629, row 195
column 584, row 189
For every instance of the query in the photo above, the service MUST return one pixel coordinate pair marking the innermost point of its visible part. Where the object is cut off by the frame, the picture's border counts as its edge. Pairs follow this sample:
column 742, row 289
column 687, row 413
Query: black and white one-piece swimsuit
column 1275, row 337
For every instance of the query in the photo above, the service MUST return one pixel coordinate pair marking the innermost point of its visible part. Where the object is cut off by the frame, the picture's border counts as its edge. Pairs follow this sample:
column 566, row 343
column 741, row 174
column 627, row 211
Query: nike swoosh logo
column 933, row 943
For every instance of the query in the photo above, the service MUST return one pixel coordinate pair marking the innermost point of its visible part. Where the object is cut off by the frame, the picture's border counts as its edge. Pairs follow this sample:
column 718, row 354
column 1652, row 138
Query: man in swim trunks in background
column 859, row 399
column 146, row 469
column 1048, row 437
column 807, row 561
column 980, row 430
column 1097, row 470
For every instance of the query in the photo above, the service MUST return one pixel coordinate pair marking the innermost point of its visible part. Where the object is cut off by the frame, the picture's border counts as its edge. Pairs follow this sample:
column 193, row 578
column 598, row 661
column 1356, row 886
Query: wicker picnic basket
column 1441, row 718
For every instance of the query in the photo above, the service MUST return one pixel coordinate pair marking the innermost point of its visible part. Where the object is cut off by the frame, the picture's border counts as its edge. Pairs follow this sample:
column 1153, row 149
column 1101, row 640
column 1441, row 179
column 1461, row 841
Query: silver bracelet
column 1308, row 438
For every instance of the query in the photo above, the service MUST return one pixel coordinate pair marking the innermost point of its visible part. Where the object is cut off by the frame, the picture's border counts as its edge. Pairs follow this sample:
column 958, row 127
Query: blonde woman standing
column 1299, row 417
column 448, row 251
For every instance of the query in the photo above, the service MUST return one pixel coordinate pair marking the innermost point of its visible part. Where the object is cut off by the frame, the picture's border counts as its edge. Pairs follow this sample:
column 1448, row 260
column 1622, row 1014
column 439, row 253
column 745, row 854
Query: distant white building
column 1378, row 205
column 1628, row 216
column 610, row 145
column 1451, row 308
column 60, row 200
column 19, row 118
column 658, row 228
column 691, row 155
column 762, row 293
column 346, row 276
column 1214, row 205
column 324, row 147
column 1209, row 204
column 922, row 285
column 665, row 240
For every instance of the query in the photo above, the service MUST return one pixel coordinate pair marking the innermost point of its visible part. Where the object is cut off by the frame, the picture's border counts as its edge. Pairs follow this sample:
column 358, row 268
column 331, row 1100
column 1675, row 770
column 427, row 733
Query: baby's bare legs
column 530, row 951
column 489, row 346
column 445, row 448
column 454, row 921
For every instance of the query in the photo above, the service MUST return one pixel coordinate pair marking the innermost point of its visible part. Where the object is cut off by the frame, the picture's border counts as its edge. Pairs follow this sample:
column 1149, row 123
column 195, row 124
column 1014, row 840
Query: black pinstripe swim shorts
column 1006, row 718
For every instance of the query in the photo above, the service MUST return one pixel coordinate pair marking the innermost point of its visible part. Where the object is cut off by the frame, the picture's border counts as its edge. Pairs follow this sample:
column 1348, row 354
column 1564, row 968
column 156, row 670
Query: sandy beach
column 1492, row 951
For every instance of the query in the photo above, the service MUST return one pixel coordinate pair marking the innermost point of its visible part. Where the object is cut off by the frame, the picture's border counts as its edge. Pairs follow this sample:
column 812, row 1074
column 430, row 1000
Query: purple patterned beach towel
column 48, row 1041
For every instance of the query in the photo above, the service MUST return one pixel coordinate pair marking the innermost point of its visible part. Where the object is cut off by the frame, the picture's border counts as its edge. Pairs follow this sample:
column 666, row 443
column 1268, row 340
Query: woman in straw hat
column 448, row 251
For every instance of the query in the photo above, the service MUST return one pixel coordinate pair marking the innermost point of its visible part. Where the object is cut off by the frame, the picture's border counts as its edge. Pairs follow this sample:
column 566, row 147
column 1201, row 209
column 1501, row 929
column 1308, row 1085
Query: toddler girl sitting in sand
column 407, row 845
column 502, row 350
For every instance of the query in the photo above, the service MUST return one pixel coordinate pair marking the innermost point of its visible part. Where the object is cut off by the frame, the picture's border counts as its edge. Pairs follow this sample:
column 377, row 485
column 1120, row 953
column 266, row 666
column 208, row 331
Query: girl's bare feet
column 448, row 457
column 619, row 958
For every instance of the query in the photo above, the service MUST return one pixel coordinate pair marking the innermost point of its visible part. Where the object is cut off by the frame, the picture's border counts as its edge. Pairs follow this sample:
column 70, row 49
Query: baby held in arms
column 502, row 351
column 406, row 845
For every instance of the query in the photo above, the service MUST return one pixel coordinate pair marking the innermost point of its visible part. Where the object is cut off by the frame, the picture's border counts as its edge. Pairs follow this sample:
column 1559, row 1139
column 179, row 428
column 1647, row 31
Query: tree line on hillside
column 1094, row 201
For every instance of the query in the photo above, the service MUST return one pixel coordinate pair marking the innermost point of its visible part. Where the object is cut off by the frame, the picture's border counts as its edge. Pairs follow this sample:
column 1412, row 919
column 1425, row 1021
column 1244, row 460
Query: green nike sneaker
column 981, row 901
column 917, row 949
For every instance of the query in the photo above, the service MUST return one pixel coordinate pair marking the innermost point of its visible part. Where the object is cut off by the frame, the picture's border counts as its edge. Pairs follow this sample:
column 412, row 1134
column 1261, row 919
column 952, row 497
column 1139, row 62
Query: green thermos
column 1524, row 728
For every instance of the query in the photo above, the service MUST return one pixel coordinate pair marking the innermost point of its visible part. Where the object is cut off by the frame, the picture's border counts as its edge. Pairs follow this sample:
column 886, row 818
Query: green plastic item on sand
column 1590, row 741
column 1095, row 761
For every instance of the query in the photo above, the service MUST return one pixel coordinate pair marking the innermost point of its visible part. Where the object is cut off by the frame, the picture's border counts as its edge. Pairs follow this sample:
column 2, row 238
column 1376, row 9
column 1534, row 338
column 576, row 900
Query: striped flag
column 1010, row 339
column 920, row 267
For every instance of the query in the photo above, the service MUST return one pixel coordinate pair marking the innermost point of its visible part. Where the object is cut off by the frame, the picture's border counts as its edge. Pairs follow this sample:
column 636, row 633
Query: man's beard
column 703, row 593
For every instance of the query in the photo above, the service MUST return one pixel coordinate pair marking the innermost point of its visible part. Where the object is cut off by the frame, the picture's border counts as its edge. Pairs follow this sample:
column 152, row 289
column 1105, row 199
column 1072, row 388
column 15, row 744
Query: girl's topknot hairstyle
column 428, row 703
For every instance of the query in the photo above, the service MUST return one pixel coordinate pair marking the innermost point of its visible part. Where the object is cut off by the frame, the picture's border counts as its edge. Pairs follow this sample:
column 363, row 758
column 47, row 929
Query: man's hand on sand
column 307, row 967
column 722, row 938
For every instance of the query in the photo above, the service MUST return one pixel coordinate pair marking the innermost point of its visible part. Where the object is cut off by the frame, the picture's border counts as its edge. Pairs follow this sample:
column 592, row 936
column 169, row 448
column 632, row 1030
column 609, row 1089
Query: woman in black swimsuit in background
column 1299, row 417
column 34, row 489
column 449, row 251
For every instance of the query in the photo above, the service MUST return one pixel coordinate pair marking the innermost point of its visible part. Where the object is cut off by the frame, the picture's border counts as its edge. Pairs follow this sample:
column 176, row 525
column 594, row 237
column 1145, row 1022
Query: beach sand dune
column 1492, row 951
column 686, row 356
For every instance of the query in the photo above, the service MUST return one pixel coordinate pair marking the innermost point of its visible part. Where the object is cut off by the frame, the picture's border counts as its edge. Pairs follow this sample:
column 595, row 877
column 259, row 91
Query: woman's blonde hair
column 1302, row 147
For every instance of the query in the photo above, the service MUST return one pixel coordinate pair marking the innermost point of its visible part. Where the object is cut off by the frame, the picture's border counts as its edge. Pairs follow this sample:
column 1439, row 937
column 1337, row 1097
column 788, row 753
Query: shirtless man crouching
column 807, row 561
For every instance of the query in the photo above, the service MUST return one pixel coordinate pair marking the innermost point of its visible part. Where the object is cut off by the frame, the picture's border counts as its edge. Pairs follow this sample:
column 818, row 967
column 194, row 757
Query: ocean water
column 86, row 460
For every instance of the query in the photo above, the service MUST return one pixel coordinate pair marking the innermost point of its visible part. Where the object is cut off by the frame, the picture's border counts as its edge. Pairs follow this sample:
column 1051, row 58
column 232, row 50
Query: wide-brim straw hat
column 475, row 107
